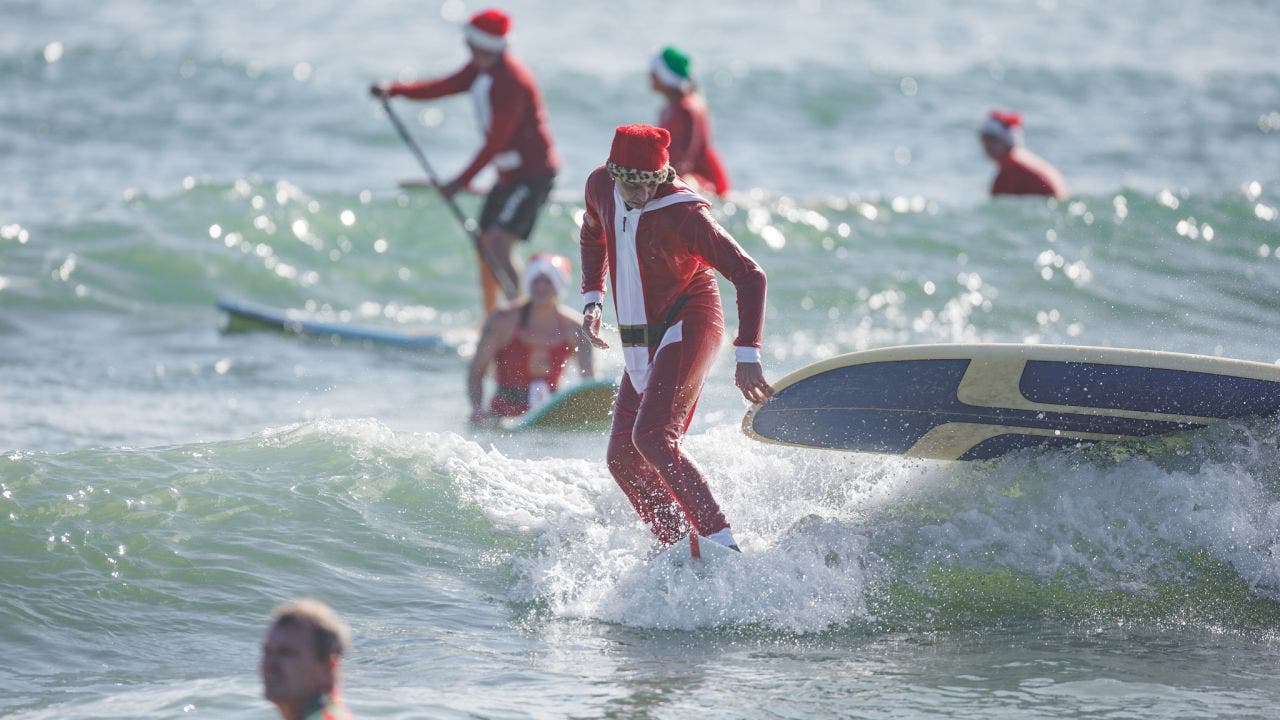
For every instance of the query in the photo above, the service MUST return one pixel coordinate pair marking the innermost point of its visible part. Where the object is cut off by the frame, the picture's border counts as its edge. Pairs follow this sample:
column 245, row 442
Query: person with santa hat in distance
column 1021, row 172
column 517, row 142
column 528, row 345
column 685, row 117
column 658, row 244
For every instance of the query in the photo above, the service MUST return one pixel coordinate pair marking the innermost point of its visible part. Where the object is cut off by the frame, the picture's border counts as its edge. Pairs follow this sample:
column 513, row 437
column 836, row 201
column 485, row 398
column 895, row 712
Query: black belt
column 651, row 335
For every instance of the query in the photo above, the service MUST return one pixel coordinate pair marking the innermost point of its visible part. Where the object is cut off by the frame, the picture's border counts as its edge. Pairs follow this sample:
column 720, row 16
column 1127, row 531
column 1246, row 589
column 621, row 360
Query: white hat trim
column 484, row 40
column 997, row 129
column 544, row 267
column 666, row 75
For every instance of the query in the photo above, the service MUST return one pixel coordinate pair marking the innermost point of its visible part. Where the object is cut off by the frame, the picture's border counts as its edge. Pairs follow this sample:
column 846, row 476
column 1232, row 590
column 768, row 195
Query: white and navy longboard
column 582, row 407
column 242, row 316
column 980, row 401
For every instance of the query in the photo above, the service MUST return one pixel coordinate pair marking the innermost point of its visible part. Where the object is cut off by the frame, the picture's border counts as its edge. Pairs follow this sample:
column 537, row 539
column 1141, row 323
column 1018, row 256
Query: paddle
column 468, row 226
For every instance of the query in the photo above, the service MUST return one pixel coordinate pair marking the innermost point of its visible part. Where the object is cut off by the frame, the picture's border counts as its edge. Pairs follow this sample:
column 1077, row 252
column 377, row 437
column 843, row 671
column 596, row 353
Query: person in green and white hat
column 685, row 116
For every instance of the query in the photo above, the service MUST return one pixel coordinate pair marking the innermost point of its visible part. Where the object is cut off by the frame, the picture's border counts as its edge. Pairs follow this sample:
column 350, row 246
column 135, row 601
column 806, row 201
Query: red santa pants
column 665, row 487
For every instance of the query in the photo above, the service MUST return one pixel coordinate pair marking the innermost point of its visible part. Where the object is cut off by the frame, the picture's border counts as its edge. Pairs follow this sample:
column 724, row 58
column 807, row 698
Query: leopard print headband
column 640, row 177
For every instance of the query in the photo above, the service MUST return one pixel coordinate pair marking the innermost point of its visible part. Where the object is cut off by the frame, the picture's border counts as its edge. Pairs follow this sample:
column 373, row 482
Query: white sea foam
column 821, row 532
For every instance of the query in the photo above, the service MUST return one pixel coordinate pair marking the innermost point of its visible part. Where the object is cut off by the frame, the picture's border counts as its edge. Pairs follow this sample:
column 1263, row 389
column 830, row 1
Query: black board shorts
column 514, row 206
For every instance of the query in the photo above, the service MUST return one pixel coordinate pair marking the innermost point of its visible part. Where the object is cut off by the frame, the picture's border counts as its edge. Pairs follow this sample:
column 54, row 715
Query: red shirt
column 517, row 140
column 679, row 249
column 1022, row 172
column 691, row 152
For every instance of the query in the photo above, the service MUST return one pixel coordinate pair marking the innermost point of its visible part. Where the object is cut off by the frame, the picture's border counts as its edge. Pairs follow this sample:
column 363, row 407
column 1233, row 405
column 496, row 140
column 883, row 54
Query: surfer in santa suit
column 1021, row 172
column 528, row 345
column 655, row 241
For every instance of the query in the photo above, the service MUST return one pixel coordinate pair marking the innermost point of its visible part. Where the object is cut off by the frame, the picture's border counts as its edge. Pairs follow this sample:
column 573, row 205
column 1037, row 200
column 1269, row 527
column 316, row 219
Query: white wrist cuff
column 595, row 296
column 746, row 354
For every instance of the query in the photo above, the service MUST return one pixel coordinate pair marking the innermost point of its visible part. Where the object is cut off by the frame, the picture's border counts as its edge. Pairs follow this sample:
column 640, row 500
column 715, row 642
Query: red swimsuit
column 511, row 370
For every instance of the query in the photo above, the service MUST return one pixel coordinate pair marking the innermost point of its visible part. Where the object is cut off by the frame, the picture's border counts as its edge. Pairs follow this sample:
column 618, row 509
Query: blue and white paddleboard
column 974, row 402
column 241, row 316
column 585, row 406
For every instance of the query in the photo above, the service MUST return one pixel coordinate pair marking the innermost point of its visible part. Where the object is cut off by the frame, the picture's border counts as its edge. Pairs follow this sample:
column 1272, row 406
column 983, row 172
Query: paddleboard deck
column 585, row 406
column 243, row 316
column 981, row 401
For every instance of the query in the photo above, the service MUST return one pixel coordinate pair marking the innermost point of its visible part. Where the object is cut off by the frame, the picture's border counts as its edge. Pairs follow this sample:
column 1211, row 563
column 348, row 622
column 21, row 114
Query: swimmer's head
column 555, row 268
column 1001, row 132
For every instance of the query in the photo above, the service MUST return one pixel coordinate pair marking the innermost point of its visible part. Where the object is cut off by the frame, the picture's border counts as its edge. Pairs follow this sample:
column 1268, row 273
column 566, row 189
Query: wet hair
column 329, row 633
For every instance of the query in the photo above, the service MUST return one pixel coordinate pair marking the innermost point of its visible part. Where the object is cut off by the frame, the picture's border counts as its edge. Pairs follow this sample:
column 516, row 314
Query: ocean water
column 164, row 483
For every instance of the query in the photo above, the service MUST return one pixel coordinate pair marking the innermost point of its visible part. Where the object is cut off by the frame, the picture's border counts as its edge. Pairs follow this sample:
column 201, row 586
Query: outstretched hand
column 749, row 377
column 378, row 90
column 591, row 327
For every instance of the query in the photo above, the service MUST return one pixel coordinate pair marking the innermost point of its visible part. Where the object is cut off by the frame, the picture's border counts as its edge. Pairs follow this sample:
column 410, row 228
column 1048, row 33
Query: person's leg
column 638, row 479
column 676, row 378
column 506, row 219
column 497, row 244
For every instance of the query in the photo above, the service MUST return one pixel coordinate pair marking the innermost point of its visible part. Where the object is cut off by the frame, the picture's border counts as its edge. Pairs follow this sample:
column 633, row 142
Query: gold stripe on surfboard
column 951, row 440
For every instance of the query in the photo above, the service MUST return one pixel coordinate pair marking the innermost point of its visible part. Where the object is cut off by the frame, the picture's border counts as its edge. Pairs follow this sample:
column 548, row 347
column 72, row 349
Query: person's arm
column 585, row 356
column 458, row 82
column 717, row 248
column 497, row 332
column 595, row 264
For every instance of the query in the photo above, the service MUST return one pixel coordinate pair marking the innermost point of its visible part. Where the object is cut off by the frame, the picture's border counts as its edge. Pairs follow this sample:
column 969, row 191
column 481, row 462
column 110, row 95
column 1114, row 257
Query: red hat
column 639, row 155
column 488, row 29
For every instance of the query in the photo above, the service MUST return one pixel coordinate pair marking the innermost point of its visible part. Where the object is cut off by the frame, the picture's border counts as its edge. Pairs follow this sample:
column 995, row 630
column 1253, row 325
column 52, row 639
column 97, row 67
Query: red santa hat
column 1003, row 125
column 555, row 268
column 488, row 29
column 639, row 155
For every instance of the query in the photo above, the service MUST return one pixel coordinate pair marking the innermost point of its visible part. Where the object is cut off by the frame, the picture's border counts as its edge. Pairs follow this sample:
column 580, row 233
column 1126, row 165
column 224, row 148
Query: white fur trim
column 674, row 334
column 481, row 97
column 628, row 285
column 483, row 40
column 666, row 75
column 746, row 354
column 595, row 296
column 997, row 129
column 507, row 161
column 545, row 268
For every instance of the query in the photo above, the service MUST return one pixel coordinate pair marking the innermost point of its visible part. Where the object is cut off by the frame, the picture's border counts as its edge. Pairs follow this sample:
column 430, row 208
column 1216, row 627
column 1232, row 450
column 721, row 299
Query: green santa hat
column 671, row 67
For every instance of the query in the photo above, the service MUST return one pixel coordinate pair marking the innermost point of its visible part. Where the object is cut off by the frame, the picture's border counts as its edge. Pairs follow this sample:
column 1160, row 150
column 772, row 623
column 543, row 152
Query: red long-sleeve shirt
column 678, row 248
column 692, row 154
column 517, row 140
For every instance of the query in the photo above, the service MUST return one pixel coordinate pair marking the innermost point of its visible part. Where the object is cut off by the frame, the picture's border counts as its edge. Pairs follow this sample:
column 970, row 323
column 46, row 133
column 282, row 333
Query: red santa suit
column 691, row 152
column 1022, row 172
column 510, row 109
column 661, row 261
